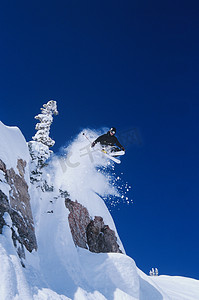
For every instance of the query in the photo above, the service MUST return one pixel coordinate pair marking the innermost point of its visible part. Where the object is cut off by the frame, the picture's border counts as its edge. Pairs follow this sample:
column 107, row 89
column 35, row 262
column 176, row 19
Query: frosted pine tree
column 46, row 119
column 39, row 147
column 154, row 272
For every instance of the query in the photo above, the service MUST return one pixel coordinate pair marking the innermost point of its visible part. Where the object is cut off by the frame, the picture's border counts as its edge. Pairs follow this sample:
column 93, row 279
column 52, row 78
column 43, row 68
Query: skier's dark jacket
column 108, row 140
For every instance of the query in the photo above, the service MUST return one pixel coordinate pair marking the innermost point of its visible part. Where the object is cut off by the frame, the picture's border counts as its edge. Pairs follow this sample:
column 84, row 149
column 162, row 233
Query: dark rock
column 21, row 164
column 2, row 166
column 78, row 221
column 101, row 238
column 4, row 207
column 90, row 234
column 17, row 205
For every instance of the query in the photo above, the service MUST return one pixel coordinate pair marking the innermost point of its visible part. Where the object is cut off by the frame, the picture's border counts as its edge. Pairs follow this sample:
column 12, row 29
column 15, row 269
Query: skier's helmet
column 113, row 130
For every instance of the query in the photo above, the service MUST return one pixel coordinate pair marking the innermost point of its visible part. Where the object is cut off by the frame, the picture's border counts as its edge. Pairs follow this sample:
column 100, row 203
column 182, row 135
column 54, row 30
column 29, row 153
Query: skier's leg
column 115, row 149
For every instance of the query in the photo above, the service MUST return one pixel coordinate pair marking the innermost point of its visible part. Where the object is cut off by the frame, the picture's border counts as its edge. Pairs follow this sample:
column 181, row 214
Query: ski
column 111, row 157
column 116, row 153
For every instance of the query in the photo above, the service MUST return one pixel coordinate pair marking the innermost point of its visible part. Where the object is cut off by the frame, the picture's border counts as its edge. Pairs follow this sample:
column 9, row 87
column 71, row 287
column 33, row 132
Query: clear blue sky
column 128, row 64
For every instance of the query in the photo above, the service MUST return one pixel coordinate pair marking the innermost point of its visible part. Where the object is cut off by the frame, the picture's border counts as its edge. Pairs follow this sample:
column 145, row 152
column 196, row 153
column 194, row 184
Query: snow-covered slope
column 179, row 288
column 12, row 146
column 59, row 269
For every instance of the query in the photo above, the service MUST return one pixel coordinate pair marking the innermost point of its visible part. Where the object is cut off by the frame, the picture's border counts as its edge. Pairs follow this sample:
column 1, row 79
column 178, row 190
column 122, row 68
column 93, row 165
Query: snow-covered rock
column 14, row 194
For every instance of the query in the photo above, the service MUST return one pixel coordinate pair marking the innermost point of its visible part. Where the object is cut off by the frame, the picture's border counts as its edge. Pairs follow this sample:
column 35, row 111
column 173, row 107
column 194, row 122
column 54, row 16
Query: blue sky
column 127, row 64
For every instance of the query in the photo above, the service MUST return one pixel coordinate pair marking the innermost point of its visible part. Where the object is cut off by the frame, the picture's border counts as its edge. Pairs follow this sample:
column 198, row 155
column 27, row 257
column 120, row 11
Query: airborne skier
column 109, row 139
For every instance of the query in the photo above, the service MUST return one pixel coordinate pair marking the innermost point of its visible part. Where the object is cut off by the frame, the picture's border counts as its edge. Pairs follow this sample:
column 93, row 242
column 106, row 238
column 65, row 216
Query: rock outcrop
column 16, row 202
column 78, row 219
column 100, row 237
column 90, row 234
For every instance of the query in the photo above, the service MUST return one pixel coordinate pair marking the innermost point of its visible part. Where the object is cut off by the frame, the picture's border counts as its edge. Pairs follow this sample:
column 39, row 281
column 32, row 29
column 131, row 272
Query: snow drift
column 56, row 267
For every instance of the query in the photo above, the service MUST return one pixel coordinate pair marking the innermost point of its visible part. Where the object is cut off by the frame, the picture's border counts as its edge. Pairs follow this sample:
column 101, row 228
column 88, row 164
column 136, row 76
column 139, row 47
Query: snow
column 179, row 287
column 13, row 281
column 13, row 146
column 59, row 270
column 111, row 271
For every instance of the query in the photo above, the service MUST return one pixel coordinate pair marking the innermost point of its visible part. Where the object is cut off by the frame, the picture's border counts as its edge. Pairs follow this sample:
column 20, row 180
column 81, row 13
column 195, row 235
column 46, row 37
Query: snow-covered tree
column 153, row 272
column 46, row 119
column 39, row 147
column 156, row 272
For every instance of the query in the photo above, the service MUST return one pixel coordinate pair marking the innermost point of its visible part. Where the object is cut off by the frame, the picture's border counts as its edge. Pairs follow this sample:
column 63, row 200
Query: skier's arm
column 98, row 140
column 119, row 145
